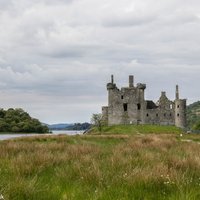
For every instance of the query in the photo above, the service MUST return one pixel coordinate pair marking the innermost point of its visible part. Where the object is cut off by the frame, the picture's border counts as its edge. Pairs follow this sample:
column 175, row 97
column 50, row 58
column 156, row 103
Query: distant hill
column 74, row 126
column 193, row 115
column 79, row 126
column 61, row 126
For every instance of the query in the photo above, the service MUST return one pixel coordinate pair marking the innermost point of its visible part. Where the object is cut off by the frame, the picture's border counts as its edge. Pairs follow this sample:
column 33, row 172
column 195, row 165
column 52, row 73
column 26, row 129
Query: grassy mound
column 99, row 167
column 135, row 129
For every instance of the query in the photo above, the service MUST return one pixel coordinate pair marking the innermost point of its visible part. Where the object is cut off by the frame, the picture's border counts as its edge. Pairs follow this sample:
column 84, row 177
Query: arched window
column 138, row 106
column 147, row 114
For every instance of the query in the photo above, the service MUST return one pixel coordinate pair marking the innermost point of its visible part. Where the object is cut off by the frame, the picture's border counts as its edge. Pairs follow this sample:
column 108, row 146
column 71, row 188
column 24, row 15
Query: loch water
column 54, row 132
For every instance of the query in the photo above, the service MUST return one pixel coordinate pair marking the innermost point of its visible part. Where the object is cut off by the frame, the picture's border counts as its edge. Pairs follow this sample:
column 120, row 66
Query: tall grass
column 135, row 129
column 146, row 167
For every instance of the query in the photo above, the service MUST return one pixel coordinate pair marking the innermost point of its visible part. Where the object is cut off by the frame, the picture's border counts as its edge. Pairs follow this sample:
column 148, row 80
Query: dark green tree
column 19, row 121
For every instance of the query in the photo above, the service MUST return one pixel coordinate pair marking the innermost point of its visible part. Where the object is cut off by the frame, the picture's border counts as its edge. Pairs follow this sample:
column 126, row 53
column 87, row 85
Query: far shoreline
column 51, row 132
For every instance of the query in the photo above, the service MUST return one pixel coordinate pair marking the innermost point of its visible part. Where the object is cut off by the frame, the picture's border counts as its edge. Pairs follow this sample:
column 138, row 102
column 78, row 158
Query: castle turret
column 111, row 90
column 111, row 85
column 141, row 87
column 180, row 111
column 141, row 106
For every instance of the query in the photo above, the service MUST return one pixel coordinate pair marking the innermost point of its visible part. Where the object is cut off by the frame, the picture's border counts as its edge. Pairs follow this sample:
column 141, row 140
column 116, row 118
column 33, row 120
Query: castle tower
column 180, row 111
column 141, row 103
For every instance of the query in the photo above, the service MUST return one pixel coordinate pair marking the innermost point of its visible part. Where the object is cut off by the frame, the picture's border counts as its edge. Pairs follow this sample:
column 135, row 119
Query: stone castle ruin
column 129, row 106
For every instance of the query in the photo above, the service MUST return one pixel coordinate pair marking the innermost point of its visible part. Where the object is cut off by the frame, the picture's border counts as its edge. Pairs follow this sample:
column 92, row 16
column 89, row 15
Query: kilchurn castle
column 128, row 106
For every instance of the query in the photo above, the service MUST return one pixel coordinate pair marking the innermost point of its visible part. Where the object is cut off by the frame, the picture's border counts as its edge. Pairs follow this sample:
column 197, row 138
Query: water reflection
column 9, row 136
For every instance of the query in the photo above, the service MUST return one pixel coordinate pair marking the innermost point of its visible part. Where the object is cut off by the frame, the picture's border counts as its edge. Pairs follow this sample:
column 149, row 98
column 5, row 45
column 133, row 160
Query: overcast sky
column 56, row 56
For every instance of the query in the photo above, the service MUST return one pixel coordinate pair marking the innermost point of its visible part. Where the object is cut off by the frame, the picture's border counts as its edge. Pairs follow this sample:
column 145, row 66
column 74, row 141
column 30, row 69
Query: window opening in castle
column 178, row 115
column 122, row 97
column 164, row 114
column 147, row 114
column 178, row 106
column 157, row 115
column 125, row 107
column 171, row 106
column 138, row 106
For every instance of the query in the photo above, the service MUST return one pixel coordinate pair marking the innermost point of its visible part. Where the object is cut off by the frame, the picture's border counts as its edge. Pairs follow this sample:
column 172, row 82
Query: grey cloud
column 70, row 53
column 53, row 2
column 57, row 56
column 127, row 21
column 5, row 4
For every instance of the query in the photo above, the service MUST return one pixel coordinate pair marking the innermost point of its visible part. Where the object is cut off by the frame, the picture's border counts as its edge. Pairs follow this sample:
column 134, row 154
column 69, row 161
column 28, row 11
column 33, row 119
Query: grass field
column 137, row 166
column 135, row 129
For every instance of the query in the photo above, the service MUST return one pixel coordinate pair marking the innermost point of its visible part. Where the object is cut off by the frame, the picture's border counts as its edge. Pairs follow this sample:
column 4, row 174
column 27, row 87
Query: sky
column 56, row 56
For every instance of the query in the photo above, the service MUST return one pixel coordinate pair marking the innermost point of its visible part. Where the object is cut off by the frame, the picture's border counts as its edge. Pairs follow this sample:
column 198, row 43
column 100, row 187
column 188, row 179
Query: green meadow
column 118, row 163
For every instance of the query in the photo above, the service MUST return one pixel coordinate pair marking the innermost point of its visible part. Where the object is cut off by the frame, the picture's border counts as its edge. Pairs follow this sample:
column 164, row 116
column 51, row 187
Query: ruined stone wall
column 128, row 106
column 115, row 108
column 104, row 118
column 122, row 109
column 161, row 117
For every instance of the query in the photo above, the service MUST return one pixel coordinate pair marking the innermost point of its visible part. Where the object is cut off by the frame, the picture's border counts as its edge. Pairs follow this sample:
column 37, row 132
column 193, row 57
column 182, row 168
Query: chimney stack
column 131, row 81
column 177, row 92
column 112, row 79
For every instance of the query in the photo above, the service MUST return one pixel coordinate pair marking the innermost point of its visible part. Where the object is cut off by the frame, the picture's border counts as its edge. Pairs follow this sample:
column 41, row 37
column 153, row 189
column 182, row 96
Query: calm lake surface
column 9, row 136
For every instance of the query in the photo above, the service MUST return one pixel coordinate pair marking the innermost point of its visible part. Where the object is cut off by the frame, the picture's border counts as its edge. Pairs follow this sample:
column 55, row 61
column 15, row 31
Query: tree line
column 193, row 116
column 79, row 126
column 19, row 121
